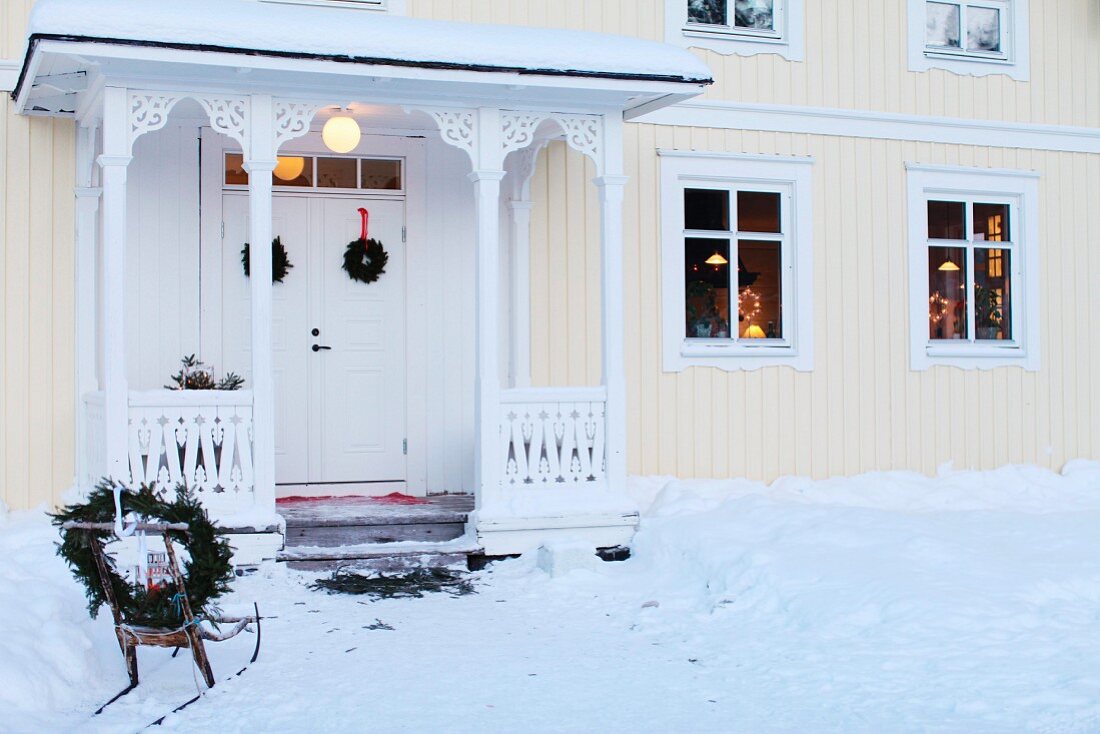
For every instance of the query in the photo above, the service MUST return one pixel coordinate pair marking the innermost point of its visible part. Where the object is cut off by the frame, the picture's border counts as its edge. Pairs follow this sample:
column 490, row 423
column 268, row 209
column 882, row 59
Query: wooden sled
column 190, row 635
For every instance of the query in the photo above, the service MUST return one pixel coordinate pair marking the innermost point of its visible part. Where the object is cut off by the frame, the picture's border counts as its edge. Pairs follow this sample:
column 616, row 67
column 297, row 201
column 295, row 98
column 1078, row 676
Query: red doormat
column 390, row 499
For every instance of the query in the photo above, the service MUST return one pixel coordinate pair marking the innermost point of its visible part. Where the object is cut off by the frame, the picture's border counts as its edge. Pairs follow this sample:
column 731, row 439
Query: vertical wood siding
column 861, row 409
column 856, row 57
column 37, row 371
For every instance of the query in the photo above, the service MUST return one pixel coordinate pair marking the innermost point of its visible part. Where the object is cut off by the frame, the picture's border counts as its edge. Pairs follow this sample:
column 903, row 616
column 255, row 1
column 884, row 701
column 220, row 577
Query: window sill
column 968, row 65
column 969, row 356
column 738, row 356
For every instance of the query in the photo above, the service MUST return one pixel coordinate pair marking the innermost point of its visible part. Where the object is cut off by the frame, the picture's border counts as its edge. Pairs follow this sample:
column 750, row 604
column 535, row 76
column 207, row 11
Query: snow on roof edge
column 355, row 36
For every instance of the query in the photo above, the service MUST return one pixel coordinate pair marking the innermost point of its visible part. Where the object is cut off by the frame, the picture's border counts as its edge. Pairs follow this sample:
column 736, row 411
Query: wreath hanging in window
column 365, row 259
column 280, row 261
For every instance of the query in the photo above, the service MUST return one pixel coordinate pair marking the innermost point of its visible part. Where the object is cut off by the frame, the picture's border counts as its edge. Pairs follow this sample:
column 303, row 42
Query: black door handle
column 318, row 348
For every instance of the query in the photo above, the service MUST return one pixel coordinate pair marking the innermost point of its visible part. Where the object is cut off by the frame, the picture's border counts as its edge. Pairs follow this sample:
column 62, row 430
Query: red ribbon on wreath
column 366, row 220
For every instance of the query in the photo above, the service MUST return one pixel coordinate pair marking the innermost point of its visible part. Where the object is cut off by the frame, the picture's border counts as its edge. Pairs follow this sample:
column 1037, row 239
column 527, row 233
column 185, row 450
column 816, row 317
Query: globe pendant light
column 289, row 167
column 341, row 134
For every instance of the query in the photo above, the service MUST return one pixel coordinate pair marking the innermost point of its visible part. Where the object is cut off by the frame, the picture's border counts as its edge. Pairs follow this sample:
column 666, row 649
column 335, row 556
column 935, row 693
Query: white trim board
column 9, row 74
column 878, row 125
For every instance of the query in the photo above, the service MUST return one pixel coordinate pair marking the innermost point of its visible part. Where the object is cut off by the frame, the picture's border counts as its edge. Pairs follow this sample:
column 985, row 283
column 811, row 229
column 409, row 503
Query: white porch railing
column 203, row 438
column 200, row 437
column 554, row 436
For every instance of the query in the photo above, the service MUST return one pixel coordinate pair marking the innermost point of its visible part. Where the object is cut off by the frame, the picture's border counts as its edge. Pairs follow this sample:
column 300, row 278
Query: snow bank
column 272, row 27
column 890, row 602
column 51, row 653
column 1012, row 488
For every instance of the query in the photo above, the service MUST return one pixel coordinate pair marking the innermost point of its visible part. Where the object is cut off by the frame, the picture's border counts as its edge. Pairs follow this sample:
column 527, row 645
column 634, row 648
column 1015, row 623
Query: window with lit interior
column 971, row 261
column 740, row 258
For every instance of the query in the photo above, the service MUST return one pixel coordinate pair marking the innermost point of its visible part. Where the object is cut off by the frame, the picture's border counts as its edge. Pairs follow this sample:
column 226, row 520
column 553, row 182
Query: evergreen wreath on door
column 365, row 259
column 280, row 261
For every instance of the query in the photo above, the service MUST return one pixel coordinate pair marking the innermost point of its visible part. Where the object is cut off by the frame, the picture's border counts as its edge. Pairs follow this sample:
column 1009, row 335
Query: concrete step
column 380, row 557
column 334, row 536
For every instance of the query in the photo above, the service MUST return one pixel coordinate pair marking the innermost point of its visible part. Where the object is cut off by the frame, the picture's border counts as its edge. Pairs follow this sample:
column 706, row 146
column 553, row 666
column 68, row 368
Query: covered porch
column 547, row 461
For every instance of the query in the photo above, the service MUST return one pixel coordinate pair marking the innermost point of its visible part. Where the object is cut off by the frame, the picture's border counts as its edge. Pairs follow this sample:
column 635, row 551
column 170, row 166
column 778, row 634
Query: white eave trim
column 9, row 74
column 876, row 125
column 510, row 84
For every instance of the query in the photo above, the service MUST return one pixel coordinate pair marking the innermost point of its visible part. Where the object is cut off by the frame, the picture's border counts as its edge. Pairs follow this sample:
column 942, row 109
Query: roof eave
column 36, row 40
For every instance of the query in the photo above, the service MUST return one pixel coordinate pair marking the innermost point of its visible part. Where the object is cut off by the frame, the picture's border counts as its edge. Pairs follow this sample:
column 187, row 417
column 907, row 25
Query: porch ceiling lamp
column 341, row 134
column 949, row 267
column 717, row 259
column 289, row 167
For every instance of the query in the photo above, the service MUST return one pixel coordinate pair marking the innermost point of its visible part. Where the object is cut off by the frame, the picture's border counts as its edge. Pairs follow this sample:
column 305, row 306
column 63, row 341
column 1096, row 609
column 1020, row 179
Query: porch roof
column 254, row 33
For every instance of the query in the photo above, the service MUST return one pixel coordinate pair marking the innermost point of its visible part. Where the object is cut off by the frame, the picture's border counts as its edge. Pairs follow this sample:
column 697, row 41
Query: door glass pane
column 707, row 209
column 756, row 14
column 991, row 223
column 707, row 12
column 983, row 29
column 946, row 220
column 381, row 174
column 947, row 312
column 758, row 211
column 992, row 297
column 235, row 175
column 760, row 290
column 942, row 25
column 707, row 291
column 293, row 171
column 338, row 173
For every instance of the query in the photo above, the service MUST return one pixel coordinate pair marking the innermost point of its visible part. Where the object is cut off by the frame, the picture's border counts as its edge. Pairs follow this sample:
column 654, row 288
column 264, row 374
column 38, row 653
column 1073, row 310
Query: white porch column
column 520, row 321
column 113, row 162
column 486, row 177
column 611, row 185
column 87, row 230
column 260, row 162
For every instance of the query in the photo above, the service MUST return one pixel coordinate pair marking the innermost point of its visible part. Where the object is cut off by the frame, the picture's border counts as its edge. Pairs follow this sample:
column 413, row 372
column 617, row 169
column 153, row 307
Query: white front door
column 362, row 407
column 339, row 345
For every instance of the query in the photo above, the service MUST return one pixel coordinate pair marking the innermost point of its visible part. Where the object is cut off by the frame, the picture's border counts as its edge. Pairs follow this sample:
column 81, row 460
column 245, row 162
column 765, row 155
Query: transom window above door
column 324, row 172
column 743, row 27
column 969, row 37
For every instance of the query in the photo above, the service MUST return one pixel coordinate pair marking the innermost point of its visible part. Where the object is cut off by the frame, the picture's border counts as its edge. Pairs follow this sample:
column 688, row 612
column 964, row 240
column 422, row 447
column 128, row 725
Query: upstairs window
column 743, row 27
column 980, row 37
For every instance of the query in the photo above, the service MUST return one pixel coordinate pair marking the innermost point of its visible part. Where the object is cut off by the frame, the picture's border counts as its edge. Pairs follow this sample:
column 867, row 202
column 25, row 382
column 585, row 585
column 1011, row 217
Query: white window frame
column 788, row 39
column 1013, row 60
column 392, row 7
column 1020, row 189
column 790, row 175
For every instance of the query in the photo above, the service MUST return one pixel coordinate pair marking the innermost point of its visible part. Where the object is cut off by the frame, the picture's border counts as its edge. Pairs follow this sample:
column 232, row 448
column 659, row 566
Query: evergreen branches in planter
column 194, row 375
column 280, row 261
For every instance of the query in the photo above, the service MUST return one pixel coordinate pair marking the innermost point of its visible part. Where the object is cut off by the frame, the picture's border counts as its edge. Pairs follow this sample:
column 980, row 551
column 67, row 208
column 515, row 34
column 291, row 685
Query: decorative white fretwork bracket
column 292, row 120
column 148, row 112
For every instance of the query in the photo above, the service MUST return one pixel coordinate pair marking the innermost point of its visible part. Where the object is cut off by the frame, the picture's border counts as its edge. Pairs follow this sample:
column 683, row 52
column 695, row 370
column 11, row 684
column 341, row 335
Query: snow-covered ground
column 885, row 603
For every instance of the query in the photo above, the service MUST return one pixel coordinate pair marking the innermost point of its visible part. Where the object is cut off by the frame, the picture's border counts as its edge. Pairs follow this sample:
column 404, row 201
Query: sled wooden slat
column 148, row 527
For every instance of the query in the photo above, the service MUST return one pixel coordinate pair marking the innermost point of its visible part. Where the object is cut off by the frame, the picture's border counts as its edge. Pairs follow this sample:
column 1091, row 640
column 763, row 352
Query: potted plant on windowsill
column 987, row 313
column 703, row 319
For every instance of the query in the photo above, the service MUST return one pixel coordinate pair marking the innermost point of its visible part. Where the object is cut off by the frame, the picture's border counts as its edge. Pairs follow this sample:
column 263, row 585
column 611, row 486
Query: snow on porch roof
column 352, row 35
